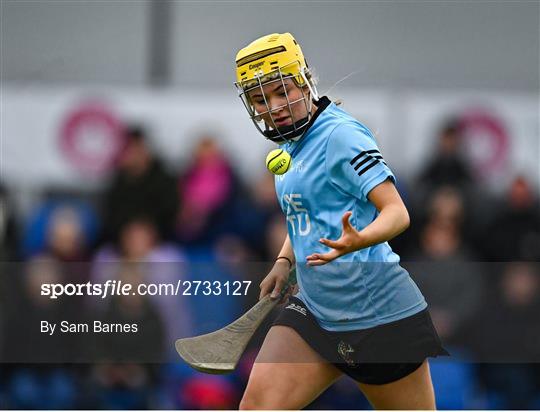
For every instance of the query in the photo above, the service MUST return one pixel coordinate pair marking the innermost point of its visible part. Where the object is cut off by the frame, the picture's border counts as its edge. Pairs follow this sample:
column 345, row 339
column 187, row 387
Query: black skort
column 375, row 356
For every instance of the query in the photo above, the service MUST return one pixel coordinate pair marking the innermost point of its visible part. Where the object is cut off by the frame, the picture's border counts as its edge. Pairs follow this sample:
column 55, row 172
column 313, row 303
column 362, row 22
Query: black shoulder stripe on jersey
column 362, row 153
column 369, row 166
column 381, row 159
column 367, row 159
column 370, row 155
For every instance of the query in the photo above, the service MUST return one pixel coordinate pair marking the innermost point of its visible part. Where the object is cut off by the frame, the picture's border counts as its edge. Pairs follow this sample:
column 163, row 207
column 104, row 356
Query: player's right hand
column 276, row 280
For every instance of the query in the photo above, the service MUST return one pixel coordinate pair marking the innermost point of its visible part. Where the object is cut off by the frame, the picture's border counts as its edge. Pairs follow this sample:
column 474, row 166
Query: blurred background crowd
column 474, row 255
column 474, row 242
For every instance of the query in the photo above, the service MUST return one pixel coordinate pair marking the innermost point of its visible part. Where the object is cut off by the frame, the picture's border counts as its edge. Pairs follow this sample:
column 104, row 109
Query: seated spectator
column 453, row 205
column 446, row 205
column 65, row 228
column 66, row 242
column 63, row 231
column 140, row 187
column 514, row 233
column 65, row 237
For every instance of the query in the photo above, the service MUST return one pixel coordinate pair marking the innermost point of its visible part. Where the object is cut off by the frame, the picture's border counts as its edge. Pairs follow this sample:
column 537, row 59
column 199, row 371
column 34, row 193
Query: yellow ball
column 278, row 161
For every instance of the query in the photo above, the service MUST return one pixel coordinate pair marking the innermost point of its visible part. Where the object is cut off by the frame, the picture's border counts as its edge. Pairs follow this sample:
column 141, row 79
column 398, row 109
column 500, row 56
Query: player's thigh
column 288, row 373
column 414, row 391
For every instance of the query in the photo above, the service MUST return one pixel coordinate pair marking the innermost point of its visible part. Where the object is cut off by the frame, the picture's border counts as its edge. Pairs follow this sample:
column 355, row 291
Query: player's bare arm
column 392, row 220
column 278, row 276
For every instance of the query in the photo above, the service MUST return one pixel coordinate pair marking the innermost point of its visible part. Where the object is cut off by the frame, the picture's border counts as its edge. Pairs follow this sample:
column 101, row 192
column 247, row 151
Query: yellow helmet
column 274, row 57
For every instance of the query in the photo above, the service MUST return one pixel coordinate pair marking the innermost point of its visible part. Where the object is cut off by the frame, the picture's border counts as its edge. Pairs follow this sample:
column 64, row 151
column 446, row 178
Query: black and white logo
column 297, row 308
column 345, row 350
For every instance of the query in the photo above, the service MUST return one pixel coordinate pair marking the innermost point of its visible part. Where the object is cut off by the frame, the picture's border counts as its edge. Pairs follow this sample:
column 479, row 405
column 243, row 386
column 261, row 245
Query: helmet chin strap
column 285, row 133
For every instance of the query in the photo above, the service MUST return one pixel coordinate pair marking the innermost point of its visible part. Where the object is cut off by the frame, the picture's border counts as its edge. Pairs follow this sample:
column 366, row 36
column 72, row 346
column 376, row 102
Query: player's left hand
column 349, row 241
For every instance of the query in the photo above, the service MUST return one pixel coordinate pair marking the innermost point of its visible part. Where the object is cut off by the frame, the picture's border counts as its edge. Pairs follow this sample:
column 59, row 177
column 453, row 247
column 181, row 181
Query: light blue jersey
column 335, row 166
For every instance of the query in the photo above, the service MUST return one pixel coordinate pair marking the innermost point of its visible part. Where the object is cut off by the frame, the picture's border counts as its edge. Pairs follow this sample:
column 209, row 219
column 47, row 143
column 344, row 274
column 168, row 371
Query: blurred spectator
column 147, row 343
column 208, row 189
column 62, row 230
column 125, row 378
column 138, row 239
column 442, row 204
column 8, row 236
column 159, row 263
column 27, row 308
column 503, row 330
column 514, row 233
column 64, row 227
column 449, row 204
column 447, row 171
column 506, row 335
column 448, row 166
column 24, row 340
column 444, row 272
column 446, row 205
column 140, row 187
column 46, row 383
column 66, row 242
column 65, row 237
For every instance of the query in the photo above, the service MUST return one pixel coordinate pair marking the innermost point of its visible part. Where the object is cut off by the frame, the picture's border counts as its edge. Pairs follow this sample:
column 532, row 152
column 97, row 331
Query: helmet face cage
column 271, row 131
